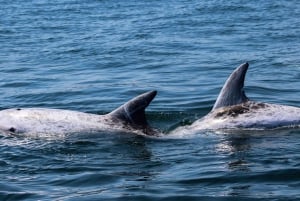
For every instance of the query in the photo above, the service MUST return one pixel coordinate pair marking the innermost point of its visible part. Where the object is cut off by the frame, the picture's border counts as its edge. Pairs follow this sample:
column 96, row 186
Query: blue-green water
column 94, row 55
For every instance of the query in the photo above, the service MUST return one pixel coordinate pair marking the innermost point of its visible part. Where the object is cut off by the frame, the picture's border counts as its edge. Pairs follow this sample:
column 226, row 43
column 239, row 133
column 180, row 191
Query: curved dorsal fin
column 232, row 92
column 133, row 111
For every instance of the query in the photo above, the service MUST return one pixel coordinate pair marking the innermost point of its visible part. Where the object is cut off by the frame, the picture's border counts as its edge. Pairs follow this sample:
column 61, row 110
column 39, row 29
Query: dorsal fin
column 232, row 92
column 133, row 112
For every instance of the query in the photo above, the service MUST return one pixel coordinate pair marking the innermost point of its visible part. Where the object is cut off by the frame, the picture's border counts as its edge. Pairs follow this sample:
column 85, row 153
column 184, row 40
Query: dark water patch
column 11, row 195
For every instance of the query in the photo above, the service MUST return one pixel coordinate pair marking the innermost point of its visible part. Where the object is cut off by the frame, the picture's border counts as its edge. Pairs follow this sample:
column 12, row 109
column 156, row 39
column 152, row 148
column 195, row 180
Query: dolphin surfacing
column 234, row 110
column 129, row 117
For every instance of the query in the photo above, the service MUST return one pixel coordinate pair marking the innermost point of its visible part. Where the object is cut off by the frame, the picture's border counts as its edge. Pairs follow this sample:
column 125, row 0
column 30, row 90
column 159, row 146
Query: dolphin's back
column 46, row 121
column 129, row 117
column 251, row 115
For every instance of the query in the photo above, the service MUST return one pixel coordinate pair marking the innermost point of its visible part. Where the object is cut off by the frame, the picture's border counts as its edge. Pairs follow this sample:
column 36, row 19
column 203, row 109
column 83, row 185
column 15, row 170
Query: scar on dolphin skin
column 232, row 111
column 243, row 108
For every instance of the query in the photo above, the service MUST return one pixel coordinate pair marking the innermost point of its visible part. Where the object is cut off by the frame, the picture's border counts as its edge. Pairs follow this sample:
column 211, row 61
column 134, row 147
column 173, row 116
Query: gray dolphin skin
column 233, row 110
column 129, row 117
column 232, row 92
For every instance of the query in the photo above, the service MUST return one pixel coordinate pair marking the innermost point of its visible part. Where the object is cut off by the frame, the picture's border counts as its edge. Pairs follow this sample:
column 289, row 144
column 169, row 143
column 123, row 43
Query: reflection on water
column 237, row 148
column 253, row 161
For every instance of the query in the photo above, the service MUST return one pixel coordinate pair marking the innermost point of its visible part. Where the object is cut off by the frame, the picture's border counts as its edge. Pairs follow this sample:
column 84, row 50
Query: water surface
column 95, row 55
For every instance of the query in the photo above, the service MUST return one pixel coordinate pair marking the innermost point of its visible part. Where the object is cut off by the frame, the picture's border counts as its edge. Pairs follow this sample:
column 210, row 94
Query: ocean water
column 94, row 55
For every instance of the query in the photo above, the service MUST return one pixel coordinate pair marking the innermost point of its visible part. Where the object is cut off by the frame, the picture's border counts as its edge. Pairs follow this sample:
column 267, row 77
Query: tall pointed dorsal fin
column 232, row 92
column 133, row 111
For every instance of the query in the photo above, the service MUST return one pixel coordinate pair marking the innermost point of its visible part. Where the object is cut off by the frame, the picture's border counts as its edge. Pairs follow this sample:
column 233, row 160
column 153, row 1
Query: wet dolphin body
column 129, row 117
column 234, row 110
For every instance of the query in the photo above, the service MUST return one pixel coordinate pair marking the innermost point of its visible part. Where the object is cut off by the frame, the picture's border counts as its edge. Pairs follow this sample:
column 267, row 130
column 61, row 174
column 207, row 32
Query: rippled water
column 92, row 56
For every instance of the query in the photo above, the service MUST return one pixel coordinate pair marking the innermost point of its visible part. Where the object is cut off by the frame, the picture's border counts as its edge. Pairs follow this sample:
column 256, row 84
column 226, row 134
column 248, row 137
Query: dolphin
column 129, row 117
column 234, row 110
